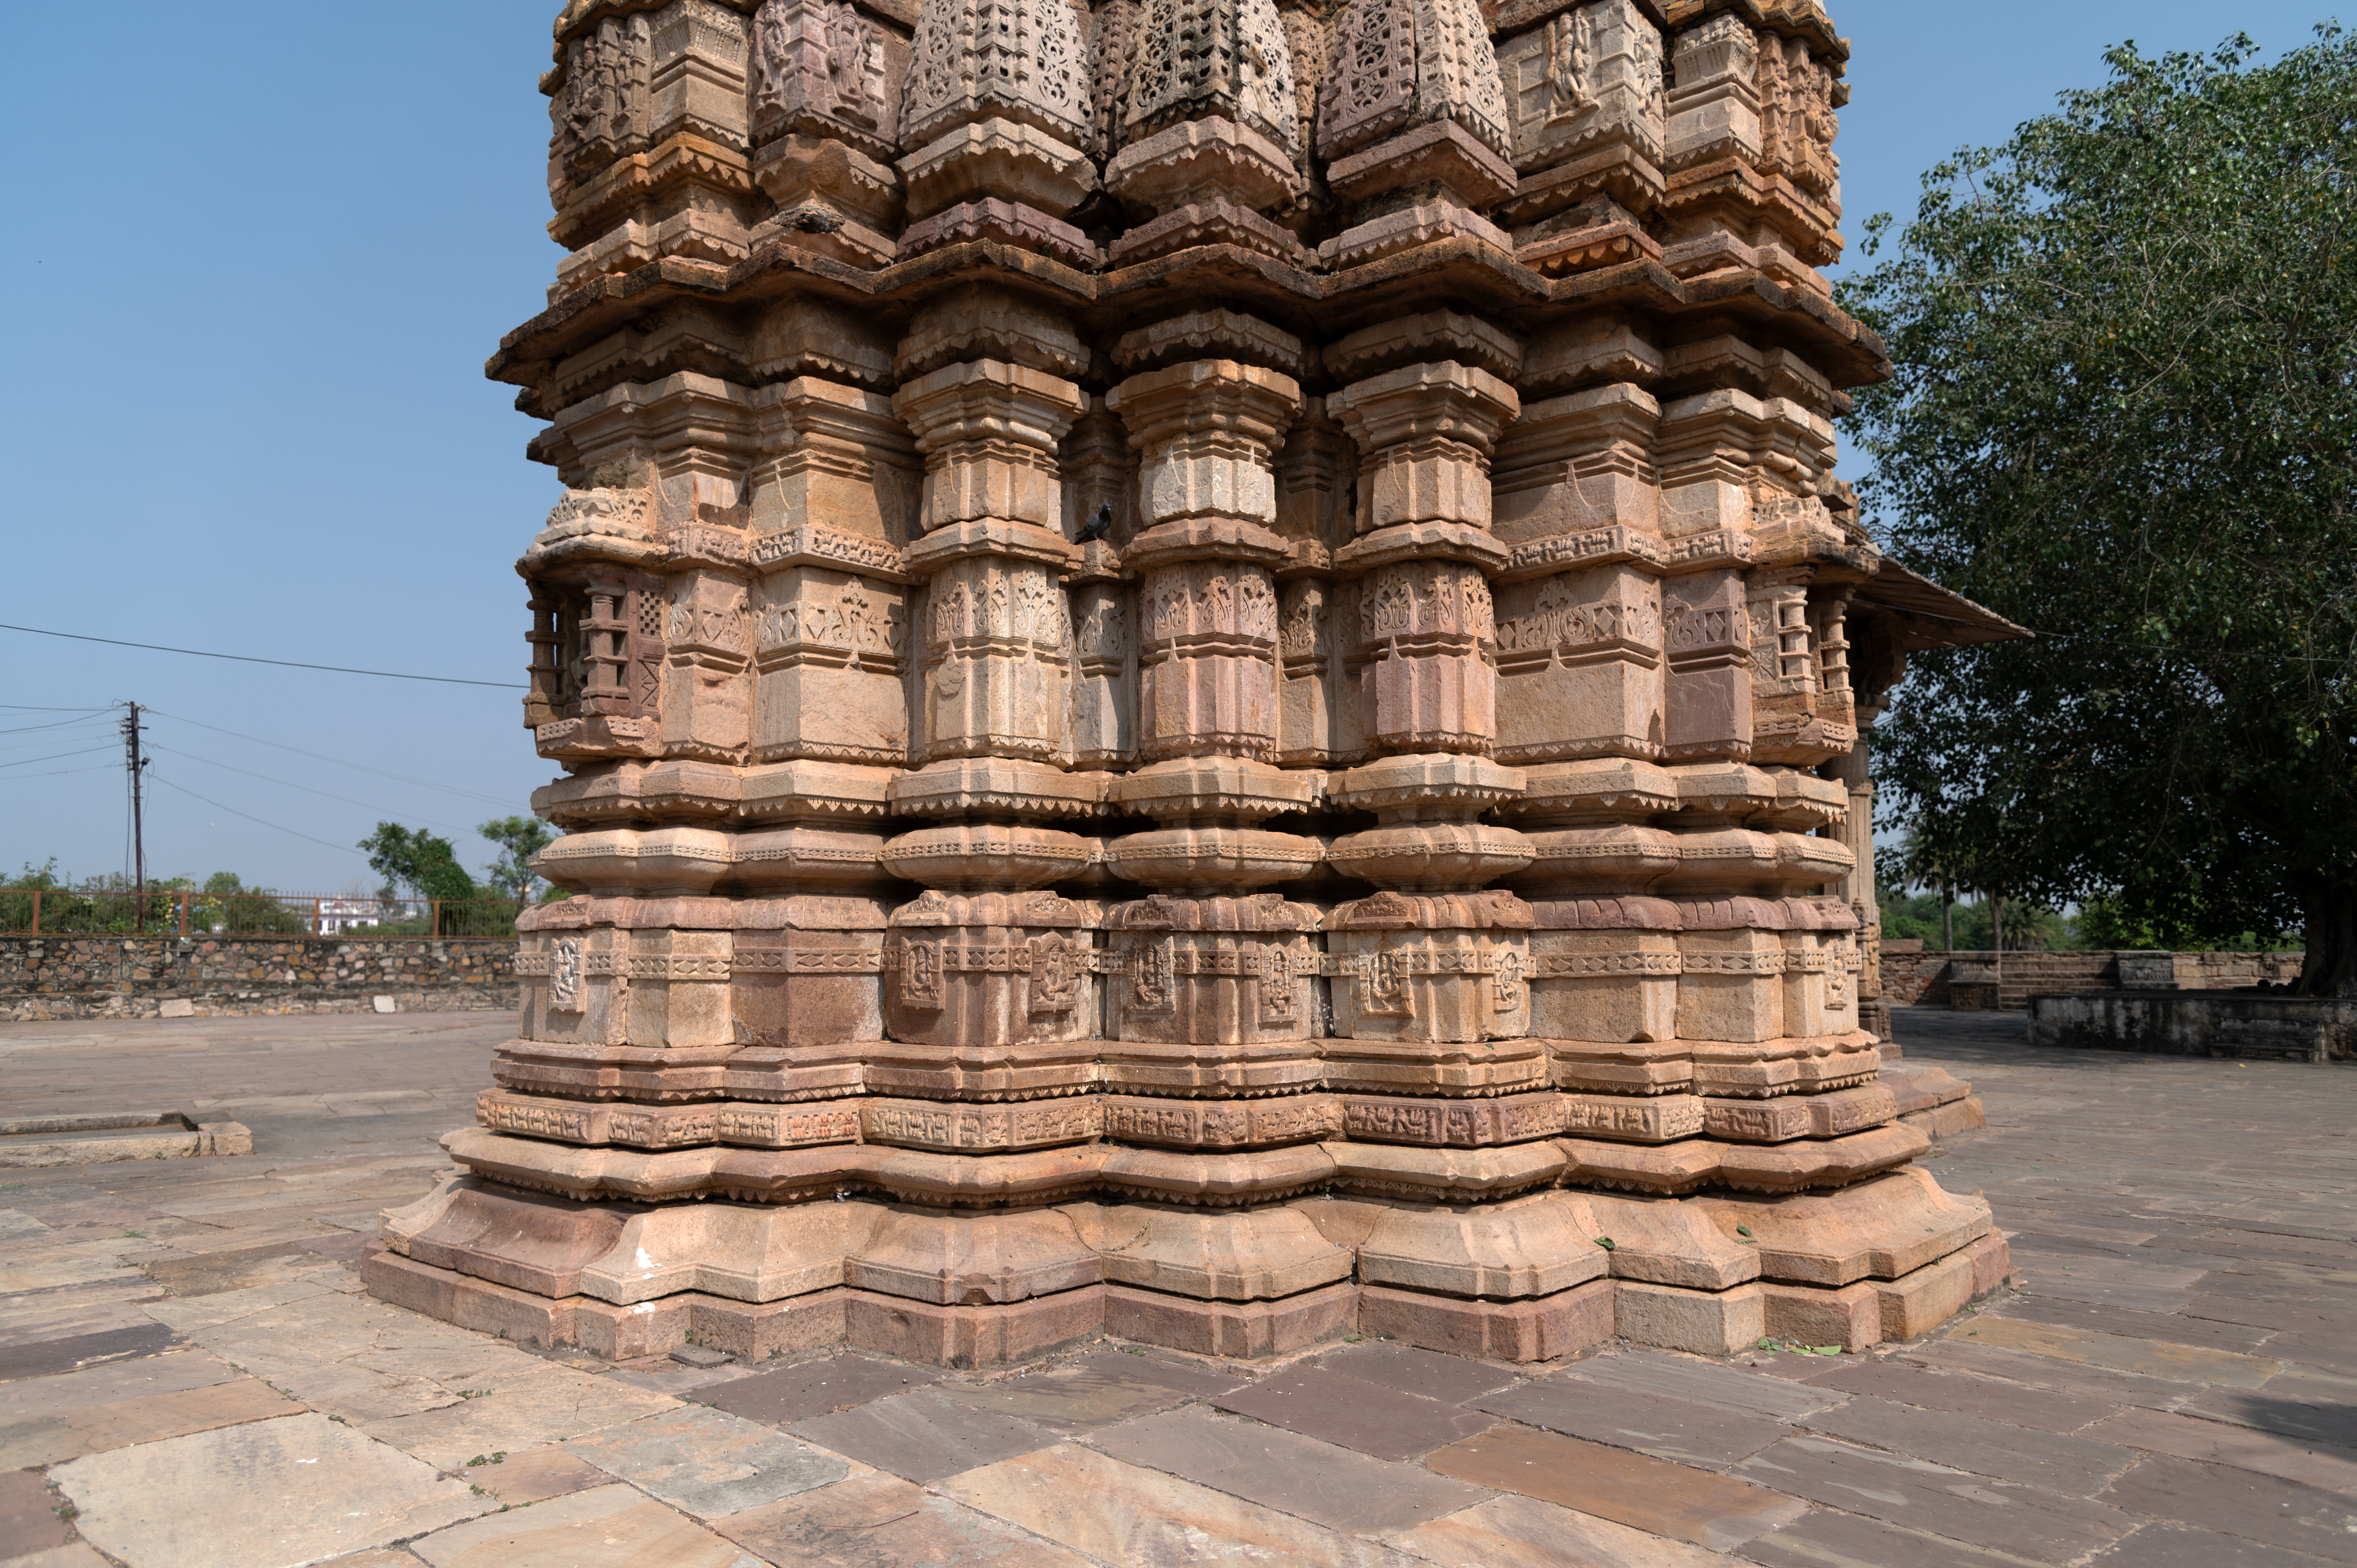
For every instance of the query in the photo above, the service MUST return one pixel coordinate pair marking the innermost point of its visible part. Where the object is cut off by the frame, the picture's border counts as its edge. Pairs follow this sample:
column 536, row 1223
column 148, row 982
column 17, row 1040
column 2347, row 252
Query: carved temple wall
column 1203, row 693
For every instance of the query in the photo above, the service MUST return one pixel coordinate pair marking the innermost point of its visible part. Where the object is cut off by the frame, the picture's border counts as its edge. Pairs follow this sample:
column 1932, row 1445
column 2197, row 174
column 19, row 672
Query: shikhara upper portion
column 1566, row 136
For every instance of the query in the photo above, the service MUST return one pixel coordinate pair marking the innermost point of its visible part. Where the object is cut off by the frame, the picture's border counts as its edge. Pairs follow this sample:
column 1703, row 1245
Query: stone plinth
column 1172, row 727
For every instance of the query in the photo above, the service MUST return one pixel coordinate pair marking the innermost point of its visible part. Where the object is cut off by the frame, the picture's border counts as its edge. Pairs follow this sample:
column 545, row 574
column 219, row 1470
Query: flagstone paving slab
column 25, row 1398
column 2240, row 1503
column 2072, row 1466
column 76, row 1555
column 1713, row 1383
column 1120, row 1513
column 1651, row 1496
column 2174, row 1328
column 1938, row 1500
column 1452, row 1379
column 1352, row 1413
column 529, row 1477
column 549, row 1405
column 816, row 1387
column 1967, row 1393
column 1093, row 1391
column 29, row 1521
column 2117, row 1353
column 708, row 1462
column 268, row 1494
column 1625, row 1418
column 612, row 1527
column 2219, row 1443
column 2296, row 1404
column 95, row 1429
column 2175, row 1546
column 922, row 1437
column 1824, row 1539
column 1278, row 1469
column 882, row 1519
column 1523, row 1533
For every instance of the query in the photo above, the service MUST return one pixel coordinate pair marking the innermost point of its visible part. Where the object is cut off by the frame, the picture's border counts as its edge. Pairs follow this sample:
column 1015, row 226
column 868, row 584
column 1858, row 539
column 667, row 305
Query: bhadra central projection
column 1208, row 669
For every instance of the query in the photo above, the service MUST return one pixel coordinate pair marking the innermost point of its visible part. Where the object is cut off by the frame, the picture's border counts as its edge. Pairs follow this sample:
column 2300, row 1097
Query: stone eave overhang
column 1929, row 616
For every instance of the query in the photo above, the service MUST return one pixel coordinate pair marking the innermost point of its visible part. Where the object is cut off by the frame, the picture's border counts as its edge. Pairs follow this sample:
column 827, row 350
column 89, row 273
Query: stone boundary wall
column 48, row 977
column 1912, row 977
column 2180, row 1022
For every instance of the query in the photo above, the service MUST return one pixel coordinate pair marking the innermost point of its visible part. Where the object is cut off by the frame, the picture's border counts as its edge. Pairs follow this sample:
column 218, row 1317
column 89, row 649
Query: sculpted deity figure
column 1571, row 59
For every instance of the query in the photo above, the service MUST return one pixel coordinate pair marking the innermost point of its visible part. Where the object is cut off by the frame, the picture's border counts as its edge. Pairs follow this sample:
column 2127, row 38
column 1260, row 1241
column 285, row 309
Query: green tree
column 519, row 838
column 417, row 862
column 2122, row 416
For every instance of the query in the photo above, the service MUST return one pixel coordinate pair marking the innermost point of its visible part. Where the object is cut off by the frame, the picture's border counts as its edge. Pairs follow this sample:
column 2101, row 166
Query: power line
column 56, row 724
column 234, row 812
column 282, row 663
column 62, row 773
column 21, row 708
column 359, row 766
column 56, row 757
column 192, row 756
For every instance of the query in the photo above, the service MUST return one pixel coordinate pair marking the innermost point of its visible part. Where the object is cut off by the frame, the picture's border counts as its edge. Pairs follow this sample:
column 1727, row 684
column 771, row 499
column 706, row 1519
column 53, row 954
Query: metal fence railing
column 191, row 912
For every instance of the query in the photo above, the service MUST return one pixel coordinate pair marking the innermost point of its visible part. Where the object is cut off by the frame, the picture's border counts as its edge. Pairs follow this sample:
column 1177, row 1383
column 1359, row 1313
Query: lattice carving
column 1401, row 63
column 974, row 59
column 1189, row 59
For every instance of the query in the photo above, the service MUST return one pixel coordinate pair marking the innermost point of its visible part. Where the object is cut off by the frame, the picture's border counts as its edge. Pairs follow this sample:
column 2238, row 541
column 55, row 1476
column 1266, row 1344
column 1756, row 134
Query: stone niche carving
column 600, row 104
column 1590, row 75
column 1169, row 729
column 824, row 68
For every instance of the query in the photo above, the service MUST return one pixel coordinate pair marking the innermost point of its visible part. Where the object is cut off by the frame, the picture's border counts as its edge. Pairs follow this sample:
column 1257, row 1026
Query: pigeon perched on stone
column 1099, row 523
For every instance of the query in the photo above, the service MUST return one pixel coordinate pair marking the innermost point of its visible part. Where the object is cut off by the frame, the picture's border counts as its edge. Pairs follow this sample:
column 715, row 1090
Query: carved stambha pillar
column 1434, row 958
column 982, row 961
column 1203, row 964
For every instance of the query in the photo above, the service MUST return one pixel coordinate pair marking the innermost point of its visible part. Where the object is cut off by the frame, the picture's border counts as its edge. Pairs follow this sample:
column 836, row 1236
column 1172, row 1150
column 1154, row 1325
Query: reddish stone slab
column 2318, row 1410
column 1967, row 1393
column 29, row 1521
column 39, row 1357
column 1336, row 1408
column 1937, row 1500
column 2178, row 1546
column 2222, row 1442
column 1098, row 1391
column 815, row 1388
column 1623, row 1418
column 2072, row 1466
column 1646, row 1494
column 2240, row 1503
column 1278, row 1469
column 924, row 1438
column 1824, row 1539
column 2173, row 1327
column 1452, row 1379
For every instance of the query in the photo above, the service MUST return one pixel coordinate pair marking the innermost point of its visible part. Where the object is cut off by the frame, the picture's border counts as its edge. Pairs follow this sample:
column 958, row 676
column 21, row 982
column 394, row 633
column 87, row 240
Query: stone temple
column 1209, row 668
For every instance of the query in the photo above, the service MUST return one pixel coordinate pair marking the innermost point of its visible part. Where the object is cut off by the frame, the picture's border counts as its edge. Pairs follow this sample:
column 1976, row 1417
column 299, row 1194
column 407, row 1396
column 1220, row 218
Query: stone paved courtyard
column 191, row 1377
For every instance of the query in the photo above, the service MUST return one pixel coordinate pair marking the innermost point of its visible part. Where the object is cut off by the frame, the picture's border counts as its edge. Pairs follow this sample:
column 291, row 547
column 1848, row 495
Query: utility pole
column 137, row 765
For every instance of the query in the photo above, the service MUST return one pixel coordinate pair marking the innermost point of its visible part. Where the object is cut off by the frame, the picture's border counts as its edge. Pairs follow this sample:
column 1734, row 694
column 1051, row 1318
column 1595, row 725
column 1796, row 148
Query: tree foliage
column 417, row 862
column 2126, row 393
column 519, row 838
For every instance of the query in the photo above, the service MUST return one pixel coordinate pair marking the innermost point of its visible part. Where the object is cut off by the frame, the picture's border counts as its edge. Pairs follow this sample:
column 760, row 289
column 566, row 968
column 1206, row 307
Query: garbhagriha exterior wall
column 1208, row 663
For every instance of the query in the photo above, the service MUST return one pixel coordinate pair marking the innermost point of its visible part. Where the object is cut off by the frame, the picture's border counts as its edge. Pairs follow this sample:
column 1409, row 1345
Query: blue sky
column 260, row 253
